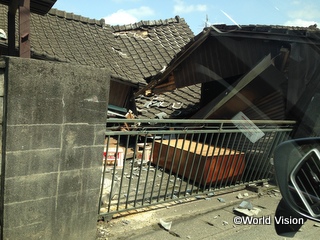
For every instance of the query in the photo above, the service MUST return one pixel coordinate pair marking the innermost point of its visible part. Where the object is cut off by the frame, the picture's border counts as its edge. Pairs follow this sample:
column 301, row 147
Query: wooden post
column 24, row 29
column 12, row 28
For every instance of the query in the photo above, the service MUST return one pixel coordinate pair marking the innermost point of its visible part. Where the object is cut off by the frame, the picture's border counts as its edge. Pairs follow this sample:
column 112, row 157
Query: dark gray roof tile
column 180, row 103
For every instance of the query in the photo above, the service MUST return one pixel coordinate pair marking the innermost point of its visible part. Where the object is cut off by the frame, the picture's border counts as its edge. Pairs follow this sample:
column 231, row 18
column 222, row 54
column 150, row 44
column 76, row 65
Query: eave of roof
column 40, row 7
column 77, row 18
column 309, row 35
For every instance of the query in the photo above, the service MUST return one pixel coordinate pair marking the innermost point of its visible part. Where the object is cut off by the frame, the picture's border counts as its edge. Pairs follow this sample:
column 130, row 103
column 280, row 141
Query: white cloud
column 128, row 16
column 304, row 16
column 141, row 11
column 307, row 12
column 120, row 17
column 296, row 2
column 181, row 7
column 300, row 23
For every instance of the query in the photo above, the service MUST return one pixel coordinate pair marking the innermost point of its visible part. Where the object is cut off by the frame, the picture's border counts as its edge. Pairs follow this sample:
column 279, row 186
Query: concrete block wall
column 2, row 71
column 53, row 134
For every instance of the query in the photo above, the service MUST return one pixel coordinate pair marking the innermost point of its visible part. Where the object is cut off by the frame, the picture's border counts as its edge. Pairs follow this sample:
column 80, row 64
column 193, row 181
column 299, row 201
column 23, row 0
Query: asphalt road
column 207, row 219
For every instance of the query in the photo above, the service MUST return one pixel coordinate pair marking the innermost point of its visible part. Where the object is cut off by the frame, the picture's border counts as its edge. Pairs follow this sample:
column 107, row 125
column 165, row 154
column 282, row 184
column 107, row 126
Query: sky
column 200, row 13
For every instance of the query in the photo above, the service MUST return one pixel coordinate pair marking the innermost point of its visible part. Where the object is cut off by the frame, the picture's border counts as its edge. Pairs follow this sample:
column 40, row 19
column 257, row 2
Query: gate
column 150, row 162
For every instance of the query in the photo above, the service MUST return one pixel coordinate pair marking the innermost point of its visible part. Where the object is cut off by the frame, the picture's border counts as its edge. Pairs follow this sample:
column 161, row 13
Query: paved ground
column 204, row 219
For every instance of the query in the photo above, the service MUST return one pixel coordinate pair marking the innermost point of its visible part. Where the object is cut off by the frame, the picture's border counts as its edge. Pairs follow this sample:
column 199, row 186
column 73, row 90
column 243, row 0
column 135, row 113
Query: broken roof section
column 222, row 58
column 151, row 45
column 179, row 103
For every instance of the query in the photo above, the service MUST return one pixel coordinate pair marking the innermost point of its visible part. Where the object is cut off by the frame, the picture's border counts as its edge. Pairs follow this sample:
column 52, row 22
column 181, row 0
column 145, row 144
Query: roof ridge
column 76, row 17
column 147, row 23
column 270, row 26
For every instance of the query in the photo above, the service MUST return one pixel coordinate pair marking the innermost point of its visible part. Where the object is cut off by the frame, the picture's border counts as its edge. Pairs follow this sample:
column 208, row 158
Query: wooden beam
column 168, row 87
column 12, row 27
column 24, row 29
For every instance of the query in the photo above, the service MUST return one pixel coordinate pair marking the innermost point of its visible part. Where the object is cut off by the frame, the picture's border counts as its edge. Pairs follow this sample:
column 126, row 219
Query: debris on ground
column 125, row 222
column 165, row 225
column 174, row 234
column 254, row 188
column 274, row 193
column 246, row 205
column 247, row 209
column 221, row 200
column 239, row 196
column 199, row 197
column 209, row 223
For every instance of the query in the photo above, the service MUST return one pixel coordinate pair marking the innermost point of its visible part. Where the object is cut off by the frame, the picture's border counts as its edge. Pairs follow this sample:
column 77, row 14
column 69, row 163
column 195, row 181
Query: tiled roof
column 133, row 52
column 150, row 45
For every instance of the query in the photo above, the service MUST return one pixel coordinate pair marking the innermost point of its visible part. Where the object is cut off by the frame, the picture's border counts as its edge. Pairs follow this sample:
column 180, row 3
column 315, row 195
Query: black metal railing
column 149, row 162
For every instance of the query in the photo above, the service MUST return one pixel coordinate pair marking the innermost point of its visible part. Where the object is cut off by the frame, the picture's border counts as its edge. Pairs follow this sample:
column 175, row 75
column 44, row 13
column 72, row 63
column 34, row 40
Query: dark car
column 297, row 166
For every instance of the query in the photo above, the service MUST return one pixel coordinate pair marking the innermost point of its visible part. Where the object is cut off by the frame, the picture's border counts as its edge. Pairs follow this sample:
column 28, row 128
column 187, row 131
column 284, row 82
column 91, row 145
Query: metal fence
column 149, row 162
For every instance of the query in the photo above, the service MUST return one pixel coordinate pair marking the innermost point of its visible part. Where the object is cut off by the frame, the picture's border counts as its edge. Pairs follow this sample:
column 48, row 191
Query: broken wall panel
column 120, row 94
column 269, row 82
column 224, row 57
column 272, row 106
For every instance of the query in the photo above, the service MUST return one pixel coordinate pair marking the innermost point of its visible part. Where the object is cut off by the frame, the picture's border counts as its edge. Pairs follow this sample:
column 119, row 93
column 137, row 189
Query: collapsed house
column 266, row 72
column 161, row 70
column 134, row 53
